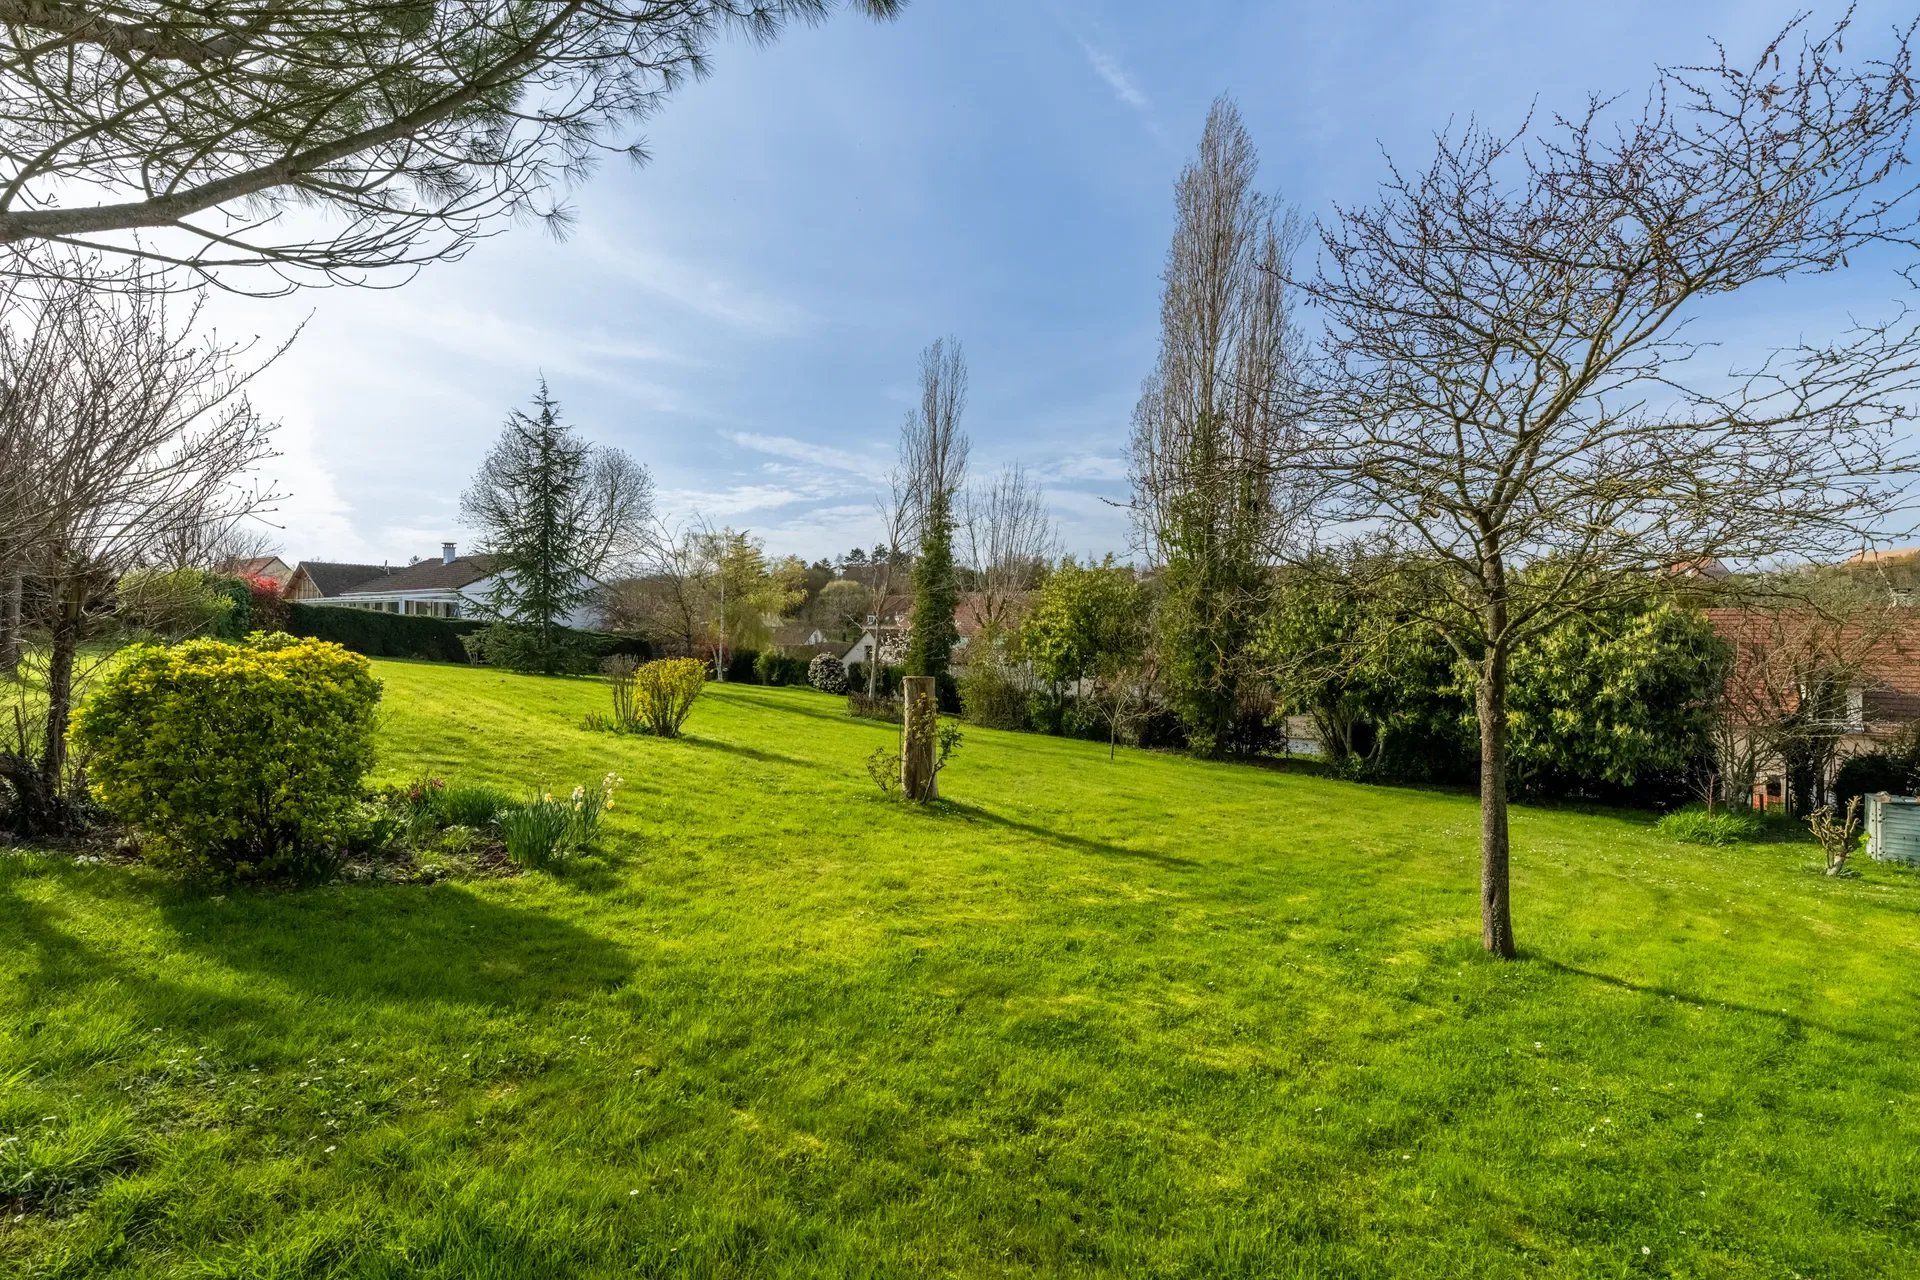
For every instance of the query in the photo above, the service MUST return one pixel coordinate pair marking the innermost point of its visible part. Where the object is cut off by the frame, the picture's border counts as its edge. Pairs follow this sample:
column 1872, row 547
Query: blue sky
column 743, row 314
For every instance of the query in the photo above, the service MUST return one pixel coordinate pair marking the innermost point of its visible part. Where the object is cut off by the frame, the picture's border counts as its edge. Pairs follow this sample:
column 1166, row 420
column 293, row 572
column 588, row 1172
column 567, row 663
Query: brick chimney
column 446, row 553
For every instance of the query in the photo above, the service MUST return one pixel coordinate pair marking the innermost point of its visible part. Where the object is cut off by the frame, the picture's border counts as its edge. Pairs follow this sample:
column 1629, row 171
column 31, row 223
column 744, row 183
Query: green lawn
column 1148, row 1018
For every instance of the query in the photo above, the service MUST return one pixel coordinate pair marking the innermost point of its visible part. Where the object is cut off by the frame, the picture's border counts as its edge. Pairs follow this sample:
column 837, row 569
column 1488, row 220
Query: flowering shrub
column 664, row 693
column 237, row 759
column 827, row 674
column 266, row 610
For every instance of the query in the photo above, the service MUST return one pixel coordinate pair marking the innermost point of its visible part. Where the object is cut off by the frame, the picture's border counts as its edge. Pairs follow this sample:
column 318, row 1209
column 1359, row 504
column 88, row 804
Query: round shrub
column 827, row 674
column 239, row 760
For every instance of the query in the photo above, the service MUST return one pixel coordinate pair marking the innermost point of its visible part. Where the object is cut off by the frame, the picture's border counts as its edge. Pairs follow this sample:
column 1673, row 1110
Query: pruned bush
column 382, row 635
column 827, row 674
column 1721, row 827
column 774, row 668
column 664, row 693
column 993, row 695
column 239, row 760
column 881, row 708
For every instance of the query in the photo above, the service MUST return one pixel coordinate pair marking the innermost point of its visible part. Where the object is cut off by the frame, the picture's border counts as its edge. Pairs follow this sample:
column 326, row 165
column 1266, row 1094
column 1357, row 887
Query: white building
column 454, row 586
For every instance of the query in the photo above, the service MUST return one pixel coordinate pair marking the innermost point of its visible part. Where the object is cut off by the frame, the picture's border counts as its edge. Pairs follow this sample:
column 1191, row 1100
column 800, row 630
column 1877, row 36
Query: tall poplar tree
column 933, row 460
column 1210, row 418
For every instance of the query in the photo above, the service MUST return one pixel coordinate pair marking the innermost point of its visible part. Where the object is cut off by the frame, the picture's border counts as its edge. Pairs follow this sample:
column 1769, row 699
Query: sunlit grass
column 1154, row 1017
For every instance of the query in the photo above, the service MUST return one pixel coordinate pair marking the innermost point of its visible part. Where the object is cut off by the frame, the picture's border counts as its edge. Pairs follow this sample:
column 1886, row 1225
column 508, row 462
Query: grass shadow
column 1662, row 992
column 1066, row 839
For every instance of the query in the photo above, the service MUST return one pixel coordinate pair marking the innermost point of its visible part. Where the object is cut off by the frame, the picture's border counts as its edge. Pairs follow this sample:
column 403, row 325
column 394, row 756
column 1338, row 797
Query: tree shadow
column 439, row 943
column 1083, row 844
column 838, row 714
column 1780, row 1016
column 751, row 753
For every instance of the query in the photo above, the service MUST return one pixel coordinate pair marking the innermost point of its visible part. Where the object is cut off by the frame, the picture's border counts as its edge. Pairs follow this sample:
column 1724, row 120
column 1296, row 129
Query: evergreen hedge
column 399, row 635
column 382, row 635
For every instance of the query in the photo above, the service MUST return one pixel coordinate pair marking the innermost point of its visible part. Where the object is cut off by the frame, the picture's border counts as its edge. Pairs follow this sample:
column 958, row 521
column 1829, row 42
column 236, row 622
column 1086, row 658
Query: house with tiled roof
column 317, row 581
column 451, row 586
column 1859, row 677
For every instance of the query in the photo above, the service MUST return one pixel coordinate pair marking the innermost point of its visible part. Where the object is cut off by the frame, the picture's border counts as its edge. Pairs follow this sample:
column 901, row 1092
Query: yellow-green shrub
column 664, row 693
column 239, row 759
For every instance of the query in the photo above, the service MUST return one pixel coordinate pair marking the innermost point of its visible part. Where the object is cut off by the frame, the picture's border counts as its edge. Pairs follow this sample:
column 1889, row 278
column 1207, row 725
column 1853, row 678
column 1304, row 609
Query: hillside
column 1153, row 1017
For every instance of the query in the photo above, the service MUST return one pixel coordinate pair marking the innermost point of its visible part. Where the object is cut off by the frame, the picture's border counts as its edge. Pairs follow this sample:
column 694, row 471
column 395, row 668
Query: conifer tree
column 555, row 512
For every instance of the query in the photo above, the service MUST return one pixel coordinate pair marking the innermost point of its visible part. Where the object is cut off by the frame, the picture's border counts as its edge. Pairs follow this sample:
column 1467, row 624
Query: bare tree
column 1208, row 507
column 933, row 466
column 1011, row 539
column 1801, row 653
column 409, row 128
column 1507, row 392
column 886, row 574
column 666, row 598
column 142, row 431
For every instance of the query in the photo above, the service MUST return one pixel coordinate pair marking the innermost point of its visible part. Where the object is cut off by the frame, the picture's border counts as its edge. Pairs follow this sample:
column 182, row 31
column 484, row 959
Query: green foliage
column 886, row 679
column 236, row 619
column 1213, row 599
column 1125, row 986
column 748, row 591
column 883, row 765
column 173, row 604
column 1081, row 615
column 993, row 694
column 1893, row 767
column 530, row 650
column 240, row 760
column 546, row 830
column 1604, row 705
column 1870, row 773
column 774, row 668
column 1613, row 700
column 527, row 500
column 382, row 635
column 536, row 831
column 1694, row 825
column 468, row 804
column 936, row 593
column 1382, row 688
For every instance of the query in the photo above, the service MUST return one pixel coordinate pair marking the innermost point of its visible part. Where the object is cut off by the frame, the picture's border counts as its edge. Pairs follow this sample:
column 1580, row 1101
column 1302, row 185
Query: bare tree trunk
column 1496, row 920
column 63, row 647
column 12, row 643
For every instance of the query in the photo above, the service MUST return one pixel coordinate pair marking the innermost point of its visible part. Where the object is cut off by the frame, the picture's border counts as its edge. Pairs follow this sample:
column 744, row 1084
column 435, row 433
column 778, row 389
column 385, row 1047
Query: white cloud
column 867, row 466
column 1108, row 68
column 694, row 288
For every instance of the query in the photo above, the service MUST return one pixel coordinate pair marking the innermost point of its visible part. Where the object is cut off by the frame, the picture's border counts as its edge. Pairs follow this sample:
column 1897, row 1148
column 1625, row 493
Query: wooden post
column 919, row 712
